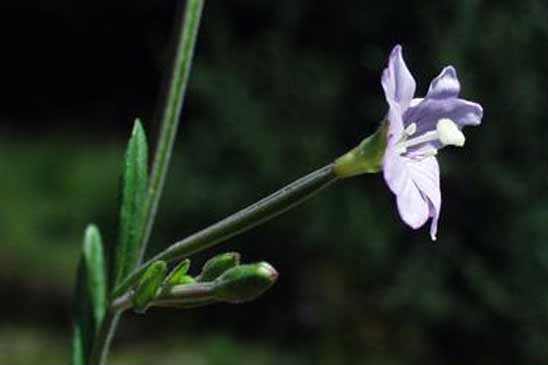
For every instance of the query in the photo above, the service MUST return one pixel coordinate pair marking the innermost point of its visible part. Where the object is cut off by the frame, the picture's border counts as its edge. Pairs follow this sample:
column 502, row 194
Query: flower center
column 447, row 133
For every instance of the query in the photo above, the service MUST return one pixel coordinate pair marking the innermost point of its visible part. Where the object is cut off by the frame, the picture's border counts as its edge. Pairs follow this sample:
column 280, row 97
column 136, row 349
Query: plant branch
column 171, row 113
column 273, row 205
column 101, row 343
column 177, row 296
column 187, row 30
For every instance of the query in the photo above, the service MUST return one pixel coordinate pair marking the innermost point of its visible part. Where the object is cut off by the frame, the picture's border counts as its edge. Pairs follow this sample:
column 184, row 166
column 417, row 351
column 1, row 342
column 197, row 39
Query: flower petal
column 395, row 124
column 435, row 214
column 445, row 85
column 416, row 184
column 427, row 113
column 397, row 81
column 425, row 173
column 394, row 170
column 412, row 204
column 413, row 208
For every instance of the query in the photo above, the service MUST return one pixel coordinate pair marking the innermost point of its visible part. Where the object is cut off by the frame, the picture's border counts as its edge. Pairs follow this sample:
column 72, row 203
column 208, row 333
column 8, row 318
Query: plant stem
column 181, row 295
column 187, row 30
column 239, row 222
column 171, row 113
column 101, row 343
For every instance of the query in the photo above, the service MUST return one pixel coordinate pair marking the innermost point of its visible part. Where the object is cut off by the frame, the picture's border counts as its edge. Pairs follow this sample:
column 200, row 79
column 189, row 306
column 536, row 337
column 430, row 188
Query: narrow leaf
column 90, row 296
column 132, row 204
column 149, row 285
column 79, row 355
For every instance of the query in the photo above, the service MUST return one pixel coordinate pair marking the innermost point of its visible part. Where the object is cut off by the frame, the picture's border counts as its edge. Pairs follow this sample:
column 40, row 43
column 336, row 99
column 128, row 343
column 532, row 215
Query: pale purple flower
column 417, row 128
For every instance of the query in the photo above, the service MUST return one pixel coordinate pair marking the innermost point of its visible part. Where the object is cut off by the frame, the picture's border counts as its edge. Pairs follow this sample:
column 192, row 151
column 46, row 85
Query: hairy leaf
column 132, row 204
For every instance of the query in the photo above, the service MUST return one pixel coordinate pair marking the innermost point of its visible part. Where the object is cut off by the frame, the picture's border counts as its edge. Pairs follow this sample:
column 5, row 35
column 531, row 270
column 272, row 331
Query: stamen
column 430, row 153
column 446, row 132
column 423, row 138
column 411, row 129
column 423, row 153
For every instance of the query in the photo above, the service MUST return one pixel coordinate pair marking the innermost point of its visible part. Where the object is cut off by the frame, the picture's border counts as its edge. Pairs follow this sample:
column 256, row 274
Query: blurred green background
column 279, row 89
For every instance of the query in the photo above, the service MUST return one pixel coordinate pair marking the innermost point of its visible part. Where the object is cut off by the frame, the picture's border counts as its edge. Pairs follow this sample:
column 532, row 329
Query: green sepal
column 183, row 280
column 90, row 296
column 217, row 265
column 367, row 157
column 244, row 283
column 148, row 287
column 132, row 204
column 178, row 274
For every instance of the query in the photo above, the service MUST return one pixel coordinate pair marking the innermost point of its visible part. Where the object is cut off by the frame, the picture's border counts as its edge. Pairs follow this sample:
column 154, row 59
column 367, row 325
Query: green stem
column 187, row 28
column 101, row 343
column 239, row 222
column 178, row 296
column 171, row 113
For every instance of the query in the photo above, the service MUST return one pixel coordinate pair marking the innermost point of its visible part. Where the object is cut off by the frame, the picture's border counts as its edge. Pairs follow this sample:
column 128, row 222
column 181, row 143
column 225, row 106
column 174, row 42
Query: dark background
column 277, row 90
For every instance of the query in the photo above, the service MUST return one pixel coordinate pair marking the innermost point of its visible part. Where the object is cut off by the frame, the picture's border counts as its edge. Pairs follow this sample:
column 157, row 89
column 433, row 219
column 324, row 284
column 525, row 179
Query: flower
column 417, row 129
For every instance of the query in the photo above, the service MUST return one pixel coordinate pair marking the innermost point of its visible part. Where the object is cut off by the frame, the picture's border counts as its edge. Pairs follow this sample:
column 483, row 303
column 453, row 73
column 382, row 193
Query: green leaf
column 178, row 274
column 132, row 206
column 149, row 285
column 79, row 355
column 90, row 295
column 217, row 265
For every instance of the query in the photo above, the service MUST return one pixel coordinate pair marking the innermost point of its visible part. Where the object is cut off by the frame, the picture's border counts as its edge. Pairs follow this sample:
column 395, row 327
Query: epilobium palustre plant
column 403, row 148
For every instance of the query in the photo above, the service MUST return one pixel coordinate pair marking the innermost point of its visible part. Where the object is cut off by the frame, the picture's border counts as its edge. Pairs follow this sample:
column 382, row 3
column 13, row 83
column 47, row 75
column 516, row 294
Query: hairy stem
column 177, row 296
column 101, row 343
column 239, row 222
column 171, row 113
column 187, row 30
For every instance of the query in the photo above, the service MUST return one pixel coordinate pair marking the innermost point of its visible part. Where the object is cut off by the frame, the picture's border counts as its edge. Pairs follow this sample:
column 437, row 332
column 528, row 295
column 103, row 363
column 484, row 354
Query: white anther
column 449, row 133
column 411, row 129
column 400, row 150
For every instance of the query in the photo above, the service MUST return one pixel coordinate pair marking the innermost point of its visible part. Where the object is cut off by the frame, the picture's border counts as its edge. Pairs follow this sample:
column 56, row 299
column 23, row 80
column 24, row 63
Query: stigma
column 449, row 133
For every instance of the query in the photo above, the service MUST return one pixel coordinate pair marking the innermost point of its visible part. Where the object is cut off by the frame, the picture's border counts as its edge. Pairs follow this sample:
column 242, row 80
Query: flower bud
column 244, row 283
column 217, row 265
column 178, row 275
column 185, row 279
column 148, row 287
